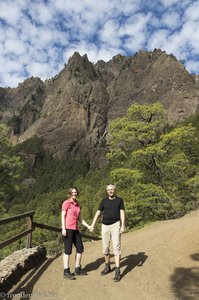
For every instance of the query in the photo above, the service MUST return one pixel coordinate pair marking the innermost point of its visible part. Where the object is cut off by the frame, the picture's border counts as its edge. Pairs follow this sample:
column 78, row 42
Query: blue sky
column 37, row 37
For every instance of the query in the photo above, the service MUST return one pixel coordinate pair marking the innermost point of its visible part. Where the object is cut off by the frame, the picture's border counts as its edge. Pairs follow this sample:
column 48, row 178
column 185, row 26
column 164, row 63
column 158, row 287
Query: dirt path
column 159, row 262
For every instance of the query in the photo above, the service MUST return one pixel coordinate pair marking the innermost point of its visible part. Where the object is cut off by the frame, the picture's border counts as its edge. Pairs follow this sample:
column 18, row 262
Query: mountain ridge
column 72, row 111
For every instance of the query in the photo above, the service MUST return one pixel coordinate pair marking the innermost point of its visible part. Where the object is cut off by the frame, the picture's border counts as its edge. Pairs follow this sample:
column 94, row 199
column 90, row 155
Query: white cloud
column 41, row 70
column 168, row 3
column 41, row 13
column 109, row 34
column 192, row 12
column 8, row 66
column 171, row 20
column 37, row 37
column 83, row 48
column 14, row 46
column 190, row 34
column 26, row 30
column 129, row 7
column 134, row 31
column 192, row 66
column 107, row 53
column 9, row 12
column 158, row 39
column 13, row 78
column 135, row 25
column 69, row 6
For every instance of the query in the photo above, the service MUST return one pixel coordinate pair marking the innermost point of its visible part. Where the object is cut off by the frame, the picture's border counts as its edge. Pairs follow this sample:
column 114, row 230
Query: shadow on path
column 25, row 288
column 185, row 281
column 94, row 265
column 131, row 261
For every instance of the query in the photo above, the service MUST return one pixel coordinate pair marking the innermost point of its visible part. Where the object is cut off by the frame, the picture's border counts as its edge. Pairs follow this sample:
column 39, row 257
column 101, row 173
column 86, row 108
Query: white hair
column 112, row 186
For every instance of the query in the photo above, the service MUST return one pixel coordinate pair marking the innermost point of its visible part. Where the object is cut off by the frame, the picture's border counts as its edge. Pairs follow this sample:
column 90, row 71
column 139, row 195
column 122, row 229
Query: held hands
column 91, row 228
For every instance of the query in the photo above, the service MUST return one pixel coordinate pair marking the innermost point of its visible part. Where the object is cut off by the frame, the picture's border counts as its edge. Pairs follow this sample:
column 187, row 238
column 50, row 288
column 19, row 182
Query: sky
column 37, row 37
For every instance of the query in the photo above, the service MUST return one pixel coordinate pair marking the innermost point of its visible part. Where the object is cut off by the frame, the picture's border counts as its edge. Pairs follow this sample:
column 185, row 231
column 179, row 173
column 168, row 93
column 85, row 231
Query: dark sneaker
column 68, row 274
column 107, row 269
column 117, row 275
column 80, row 272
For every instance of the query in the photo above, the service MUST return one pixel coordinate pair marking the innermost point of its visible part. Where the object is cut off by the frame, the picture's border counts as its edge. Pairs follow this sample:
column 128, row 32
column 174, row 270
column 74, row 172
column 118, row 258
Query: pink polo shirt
column 72, row 210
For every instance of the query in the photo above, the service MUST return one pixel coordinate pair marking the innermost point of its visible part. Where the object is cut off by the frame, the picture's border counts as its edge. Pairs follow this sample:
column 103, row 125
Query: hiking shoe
column 117, row 275
column 79, row 271
column 107, row 269
column 68, row 274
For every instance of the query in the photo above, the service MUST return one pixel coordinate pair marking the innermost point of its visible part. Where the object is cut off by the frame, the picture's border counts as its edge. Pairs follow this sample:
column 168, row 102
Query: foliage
column 151, row 163
column 140, row 127
column 193, row 188
column 10, row 167
column 15, row 123
column 31, row 146
column 192, row 149
column 53, row 174
column 43, row 188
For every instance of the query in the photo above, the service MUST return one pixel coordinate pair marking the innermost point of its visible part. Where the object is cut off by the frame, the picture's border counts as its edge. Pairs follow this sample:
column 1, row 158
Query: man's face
column 110, row 191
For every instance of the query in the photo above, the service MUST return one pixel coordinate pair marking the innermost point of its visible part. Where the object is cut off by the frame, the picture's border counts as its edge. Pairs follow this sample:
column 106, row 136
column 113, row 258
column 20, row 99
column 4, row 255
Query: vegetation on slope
column 154, row 165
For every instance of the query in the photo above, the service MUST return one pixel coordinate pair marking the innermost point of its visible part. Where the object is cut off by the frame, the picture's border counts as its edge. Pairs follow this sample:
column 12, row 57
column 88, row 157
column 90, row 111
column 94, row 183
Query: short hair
column 111, row 186
column 70, row 191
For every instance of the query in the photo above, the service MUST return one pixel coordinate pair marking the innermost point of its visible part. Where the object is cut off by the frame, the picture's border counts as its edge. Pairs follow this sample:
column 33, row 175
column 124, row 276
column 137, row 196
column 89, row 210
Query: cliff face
column 72, row 110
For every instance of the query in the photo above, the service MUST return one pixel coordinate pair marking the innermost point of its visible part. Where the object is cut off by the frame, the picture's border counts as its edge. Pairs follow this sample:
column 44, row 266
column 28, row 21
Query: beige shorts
column 111, row 232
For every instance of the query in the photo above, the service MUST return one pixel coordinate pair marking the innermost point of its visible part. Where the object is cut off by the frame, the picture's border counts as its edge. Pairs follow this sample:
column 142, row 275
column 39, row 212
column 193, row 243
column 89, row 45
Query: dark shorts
column 73, row 237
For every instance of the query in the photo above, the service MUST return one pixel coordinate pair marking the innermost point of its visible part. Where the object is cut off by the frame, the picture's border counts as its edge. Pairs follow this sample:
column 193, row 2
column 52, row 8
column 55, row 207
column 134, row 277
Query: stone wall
column 15, row 265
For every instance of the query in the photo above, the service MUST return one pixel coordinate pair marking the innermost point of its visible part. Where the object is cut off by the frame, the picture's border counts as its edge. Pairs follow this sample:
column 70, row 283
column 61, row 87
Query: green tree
column 10, row 167
column 150, row 163
column 141, row 126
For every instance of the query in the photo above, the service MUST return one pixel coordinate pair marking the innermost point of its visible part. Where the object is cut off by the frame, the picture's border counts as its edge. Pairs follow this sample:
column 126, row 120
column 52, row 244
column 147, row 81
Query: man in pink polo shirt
column 69, row 217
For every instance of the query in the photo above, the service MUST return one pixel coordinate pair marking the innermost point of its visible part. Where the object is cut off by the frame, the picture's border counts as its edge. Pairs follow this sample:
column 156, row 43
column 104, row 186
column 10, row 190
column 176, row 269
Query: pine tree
column 150, row 163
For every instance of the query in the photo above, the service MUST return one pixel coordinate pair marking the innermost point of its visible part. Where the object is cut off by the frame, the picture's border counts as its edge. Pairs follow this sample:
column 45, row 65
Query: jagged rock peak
column 81, row 66
column 73, row 110
column 32, row 81
column 77, row 57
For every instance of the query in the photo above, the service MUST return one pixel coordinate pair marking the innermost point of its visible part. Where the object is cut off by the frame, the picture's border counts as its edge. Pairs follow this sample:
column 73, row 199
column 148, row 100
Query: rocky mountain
column 72, row 110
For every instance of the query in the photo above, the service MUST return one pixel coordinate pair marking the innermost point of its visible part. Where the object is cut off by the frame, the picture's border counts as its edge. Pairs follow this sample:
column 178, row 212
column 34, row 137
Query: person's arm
column 83, row 222
column 98, row 213
column 122, row 220
column 63, row 224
